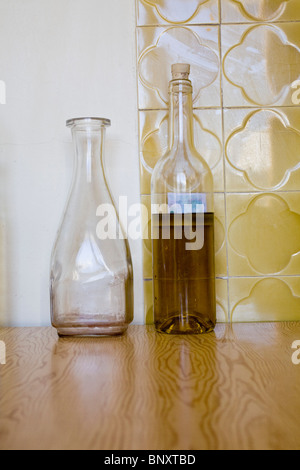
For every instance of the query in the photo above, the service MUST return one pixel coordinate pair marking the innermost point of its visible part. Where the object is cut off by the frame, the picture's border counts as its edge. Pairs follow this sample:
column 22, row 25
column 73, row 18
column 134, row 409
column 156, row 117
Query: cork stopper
column 181, row 71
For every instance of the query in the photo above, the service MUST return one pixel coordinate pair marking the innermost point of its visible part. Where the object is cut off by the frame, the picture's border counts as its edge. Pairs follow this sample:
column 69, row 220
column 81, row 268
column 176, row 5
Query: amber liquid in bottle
column 184, row 281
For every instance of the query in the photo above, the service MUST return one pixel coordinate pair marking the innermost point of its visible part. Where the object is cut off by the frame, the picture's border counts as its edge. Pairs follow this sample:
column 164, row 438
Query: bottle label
column 187, row 203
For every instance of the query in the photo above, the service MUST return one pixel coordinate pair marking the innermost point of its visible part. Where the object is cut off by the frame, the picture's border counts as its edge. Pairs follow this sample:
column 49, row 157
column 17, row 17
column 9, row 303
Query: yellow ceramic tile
column 156, row 12
column 263, row 234
column 220, row 236
column 260, row 64
column 240, row 11
column 262, row 149
column 222, row 300
column 159, row 48
column 148, row 302
column 147, row 262
column 154, row 143
column 208, row 142
column 265, row 299
column 145, row 179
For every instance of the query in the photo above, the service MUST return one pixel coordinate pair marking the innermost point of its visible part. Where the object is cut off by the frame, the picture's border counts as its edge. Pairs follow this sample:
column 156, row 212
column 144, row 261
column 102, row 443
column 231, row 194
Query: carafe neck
column 89, row 154
column 89, row 142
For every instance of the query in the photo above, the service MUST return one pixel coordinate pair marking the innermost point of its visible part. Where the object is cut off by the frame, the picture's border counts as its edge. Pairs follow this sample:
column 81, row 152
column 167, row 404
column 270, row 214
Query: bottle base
column 92, row 331
column 185, row 325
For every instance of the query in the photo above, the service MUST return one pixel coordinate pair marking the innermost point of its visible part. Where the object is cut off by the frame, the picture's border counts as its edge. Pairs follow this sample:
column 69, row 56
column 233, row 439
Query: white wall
column 59, row 59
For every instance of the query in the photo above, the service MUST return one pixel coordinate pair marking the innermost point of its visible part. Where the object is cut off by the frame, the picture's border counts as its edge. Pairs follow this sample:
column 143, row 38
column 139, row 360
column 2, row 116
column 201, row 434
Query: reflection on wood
column 236, row 388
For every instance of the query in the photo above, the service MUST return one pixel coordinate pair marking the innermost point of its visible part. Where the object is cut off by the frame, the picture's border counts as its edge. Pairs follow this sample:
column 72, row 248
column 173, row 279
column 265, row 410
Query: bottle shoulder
column 182, row 170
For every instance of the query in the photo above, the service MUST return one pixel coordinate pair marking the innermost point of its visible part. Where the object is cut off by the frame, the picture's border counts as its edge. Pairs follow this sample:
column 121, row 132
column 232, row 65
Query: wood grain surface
column 234, row 389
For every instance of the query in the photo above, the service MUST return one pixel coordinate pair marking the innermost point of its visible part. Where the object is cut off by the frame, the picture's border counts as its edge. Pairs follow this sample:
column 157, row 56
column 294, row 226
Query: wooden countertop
column 236, row 388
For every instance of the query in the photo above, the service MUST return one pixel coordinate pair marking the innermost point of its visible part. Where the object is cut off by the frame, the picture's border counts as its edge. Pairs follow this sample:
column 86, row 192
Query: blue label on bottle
column 187, row 203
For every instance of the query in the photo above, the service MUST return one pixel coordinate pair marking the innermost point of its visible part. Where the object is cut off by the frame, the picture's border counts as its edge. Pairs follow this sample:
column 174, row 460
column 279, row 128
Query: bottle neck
column 181, row 133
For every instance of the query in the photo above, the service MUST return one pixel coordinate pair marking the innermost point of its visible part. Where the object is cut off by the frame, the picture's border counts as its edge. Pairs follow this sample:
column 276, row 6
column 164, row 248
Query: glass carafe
column 91, row 268
column 183, row 224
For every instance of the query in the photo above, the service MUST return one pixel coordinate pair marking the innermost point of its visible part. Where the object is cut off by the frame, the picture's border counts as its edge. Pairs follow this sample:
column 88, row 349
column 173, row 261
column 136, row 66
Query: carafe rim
column 104, row 122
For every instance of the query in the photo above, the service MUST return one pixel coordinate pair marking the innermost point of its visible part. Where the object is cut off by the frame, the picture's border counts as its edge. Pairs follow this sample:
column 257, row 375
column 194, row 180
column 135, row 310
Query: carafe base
column 92, row 331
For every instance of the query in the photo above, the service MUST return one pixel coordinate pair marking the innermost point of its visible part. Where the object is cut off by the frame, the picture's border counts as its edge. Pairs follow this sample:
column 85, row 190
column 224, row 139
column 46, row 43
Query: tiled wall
column 245, row 55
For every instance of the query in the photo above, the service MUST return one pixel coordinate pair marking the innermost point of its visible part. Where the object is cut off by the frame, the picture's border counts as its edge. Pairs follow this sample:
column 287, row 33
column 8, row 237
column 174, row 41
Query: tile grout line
column 250, row 193
column 228, row 23
column 254, row 276
column 215, row 108
column 223, row 153
column 139, row 136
